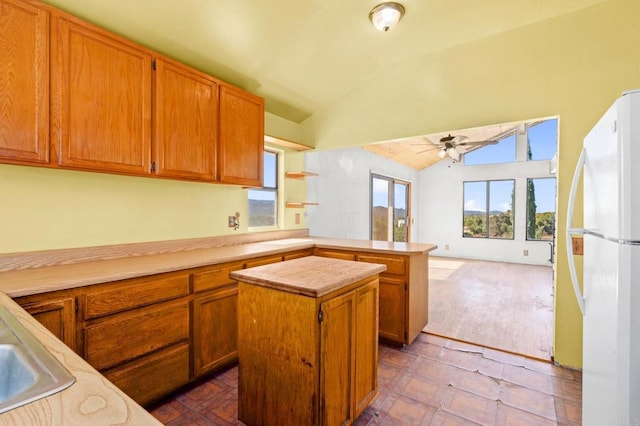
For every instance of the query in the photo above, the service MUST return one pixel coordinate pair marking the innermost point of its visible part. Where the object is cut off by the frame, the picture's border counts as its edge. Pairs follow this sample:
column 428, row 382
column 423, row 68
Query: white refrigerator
column 610, row 161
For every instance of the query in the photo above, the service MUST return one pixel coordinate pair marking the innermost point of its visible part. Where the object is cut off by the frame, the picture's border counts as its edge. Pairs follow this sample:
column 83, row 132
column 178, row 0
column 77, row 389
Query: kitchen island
column 307, row 341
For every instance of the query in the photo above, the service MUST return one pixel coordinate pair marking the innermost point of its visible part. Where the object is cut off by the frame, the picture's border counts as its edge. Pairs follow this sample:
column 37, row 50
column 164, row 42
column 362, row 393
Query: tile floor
column 433, row 381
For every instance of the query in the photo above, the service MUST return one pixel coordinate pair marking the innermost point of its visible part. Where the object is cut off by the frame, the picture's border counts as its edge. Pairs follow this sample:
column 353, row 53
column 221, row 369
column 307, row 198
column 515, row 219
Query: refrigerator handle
column 573, row 231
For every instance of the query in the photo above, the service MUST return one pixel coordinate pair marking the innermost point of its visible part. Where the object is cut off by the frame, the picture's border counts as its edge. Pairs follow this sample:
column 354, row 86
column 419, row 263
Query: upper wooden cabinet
column 24, row 87
column 241, row 137
column 101, row 88
column 185, row 122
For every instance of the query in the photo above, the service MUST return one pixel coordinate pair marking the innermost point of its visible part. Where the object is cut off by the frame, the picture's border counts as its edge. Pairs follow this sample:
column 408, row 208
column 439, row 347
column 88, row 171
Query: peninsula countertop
column 23, row 282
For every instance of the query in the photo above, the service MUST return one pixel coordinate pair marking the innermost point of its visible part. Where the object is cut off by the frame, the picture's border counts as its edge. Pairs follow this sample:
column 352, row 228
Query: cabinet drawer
column 214, row 278
column 262, row 261
column 335, row 254
column 134, row 293
column 395, row 265
column 153, row 376
column 132, row 334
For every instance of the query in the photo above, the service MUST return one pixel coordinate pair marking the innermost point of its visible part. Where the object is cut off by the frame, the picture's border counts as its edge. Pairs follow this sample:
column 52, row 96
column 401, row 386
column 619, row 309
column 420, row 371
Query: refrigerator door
column 611, row 333
column 611, row 172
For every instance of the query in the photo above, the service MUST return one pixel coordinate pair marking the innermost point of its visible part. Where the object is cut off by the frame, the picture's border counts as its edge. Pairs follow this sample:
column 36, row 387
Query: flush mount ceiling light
column 386, row 15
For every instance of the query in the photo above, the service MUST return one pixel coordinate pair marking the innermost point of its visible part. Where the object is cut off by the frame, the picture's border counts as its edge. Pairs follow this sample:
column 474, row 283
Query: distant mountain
column 261, row 207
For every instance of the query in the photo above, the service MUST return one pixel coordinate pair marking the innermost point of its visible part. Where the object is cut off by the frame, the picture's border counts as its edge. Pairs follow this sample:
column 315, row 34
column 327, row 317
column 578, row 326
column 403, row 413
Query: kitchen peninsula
column 84, row 296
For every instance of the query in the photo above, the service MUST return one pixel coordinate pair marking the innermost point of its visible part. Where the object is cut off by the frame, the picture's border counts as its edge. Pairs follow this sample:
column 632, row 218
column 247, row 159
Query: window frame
column 487, row 212
column 277, row 190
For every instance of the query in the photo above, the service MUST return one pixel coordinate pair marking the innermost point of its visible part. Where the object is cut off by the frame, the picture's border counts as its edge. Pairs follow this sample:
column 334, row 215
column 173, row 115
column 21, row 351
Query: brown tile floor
column 433, row 381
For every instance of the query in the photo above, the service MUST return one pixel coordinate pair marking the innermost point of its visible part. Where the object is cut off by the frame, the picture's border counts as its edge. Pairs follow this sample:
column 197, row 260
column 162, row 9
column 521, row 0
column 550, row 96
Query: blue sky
column 543, row 142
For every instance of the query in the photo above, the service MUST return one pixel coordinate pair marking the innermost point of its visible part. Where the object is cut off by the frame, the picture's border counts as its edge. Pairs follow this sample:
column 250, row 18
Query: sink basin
column 16, row 375
column 28, row 371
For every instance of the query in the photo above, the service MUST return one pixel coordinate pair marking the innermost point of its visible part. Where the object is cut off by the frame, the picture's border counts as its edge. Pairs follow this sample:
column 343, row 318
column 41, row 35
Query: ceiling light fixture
column 386, row 15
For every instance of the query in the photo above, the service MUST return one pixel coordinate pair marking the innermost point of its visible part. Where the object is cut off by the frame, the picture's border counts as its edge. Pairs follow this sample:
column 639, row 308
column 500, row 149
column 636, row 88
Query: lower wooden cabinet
column 404, row 291
column 153, row 376
column 215, row 329
column 57, row 314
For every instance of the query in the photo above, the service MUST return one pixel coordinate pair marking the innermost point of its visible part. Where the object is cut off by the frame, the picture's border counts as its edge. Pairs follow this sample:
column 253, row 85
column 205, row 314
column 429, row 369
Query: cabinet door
column 337, row 360
column 366, row 349
column 101, row 87
column 241, row 137
column 392, row 310
column 57, row 315
column 24, row 87
column 185, row 122
column 215, row 330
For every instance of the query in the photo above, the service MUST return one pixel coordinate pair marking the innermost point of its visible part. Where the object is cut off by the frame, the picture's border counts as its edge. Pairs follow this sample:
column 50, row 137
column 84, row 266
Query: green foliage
column 545, row 225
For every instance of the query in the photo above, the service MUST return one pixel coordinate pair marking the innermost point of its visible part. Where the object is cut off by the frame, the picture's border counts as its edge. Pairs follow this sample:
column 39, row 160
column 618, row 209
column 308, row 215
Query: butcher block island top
column 309, row 276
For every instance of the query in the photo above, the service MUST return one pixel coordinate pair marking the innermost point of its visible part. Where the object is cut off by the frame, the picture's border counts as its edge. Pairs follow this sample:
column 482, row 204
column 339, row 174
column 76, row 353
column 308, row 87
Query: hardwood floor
column 433, row 381
column 504, row 306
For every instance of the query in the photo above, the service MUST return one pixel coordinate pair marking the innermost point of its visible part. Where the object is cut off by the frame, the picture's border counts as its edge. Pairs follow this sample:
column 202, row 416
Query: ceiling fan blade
column 457, row 139
column 489, row 142
column 429, row 149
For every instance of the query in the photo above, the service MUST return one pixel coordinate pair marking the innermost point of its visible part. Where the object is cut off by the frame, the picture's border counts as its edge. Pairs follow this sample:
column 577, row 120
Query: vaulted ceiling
column 304, row 55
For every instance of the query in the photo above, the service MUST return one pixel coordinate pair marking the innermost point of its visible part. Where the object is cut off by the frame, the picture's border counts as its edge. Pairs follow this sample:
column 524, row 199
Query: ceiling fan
column 453, row 146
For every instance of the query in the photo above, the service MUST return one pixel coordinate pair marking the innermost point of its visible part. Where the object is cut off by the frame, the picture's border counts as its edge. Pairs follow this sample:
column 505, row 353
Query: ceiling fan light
column 442, row 153
column 453, row 153
column 386, row 15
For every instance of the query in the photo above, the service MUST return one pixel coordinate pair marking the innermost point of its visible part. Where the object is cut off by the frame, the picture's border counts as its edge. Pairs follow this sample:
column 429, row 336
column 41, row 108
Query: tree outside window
column 488, row 209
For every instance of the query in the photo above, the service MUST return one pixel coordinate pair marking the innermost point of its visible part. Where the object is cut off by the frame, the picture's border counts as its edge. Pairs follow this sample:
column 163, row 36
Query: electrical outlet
column 446, row 246
column 526, row 252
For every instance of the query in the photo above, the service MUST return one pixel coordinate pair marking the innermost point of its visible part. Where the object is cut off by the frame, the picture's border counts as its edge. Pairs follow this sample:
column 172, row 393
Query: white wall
column 342, row 190
column 441, row 207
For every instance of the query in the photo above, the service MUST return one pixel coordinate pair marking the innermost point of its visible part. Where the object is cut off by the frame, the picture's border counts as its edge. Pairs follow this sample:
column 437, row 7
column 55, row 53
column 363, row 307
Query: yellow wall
column 573, row 66
column 44, row 209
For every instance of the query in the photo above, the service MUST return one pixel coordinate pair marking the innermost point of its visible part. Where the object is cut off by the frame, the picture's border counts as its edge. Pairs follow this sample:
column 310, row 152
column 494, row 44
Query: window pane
column 543, row 139
column 501, row 193
column 541, row 208
column 502, row 152
column 379, row 209
column 475, row 209
column 263, row 208
column 400, row 212
column 270, row 170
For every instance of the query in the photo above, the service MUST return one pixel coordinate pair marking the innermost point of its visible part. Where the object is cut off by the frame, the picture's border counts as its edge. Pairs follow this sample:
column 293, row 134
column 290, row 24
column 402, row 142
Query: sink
column 28, row 371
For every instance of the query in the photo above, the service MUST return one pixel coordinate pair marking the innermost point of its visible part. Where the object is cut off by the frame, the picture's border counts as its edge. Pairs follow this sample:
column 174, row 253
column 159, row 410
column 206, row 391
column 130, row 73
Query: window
column 389, row 209
column 502, row 152
column 263, row 202
column 542, row 139
column 541, row 209
column 488, row 209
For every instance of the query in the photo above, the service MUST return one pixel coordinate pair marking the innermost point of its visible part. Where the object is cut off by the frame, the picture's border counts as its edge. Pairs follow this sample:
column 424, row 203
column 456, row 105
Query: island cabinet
column 307, row 341
column 24, row 91
column 136, row 333
column 404, row 291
